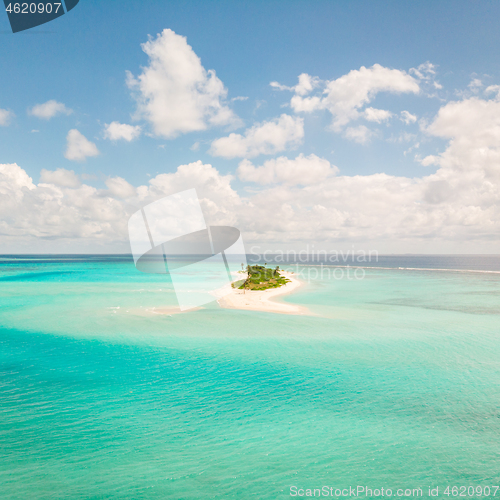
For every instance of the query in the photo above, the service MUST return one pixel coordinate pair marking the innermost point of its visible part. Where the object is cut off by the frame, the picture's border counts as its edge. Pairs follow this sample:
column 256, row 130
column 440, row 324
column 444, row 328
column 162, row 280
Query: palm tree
column 247, row 281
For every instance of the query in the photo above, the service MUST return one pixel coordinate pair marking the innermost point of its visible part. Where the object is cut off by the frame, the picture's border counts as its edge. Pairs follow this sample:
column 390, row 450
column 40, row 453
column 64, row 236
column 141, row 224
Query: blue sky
column 81, row 60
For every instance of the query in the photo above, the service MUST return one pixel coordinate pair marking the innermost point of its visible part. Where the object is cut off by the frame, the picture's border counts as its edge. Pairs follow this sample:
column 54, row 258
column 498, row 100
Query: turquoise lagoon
column 394, row 382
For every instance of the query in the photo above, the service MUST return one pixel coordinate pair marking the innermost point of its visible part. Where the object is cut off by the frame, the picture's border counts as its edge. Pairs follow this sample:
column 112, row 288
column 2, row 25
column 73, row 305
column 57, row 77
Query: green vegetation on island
column 261, row 278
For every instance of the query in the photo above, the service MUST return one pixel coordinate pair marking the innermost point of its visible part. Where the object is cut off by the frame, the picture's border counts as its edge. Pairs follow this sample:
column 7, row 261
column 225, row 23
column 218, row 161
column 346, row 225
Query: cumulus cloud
column 407, row 117
column 60, row 177
column 54, row 211
column 303, row 170
column 473, row 120
column 267, row 138
column 5, row 117
column 58, row 213
column 301, row 201
column 78, row 147
column 345, row 96
column 49, row 109
column 493, row 89
column 360, row 134
column 120, row 188
column 430, row 160
column 214, row 189
column 307, row 84
column 458, row 207
column 116, row 131
column 175, row 93
column 473, row 128
column 426, row 73
column 475, row 85
column 377, row 115
column 13, row 179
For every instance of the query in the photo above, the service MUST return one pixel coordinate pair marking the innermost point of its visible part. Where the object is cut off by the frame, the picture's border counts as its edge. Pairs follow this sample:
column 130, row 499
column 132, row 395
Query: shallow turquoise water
column 393, row 383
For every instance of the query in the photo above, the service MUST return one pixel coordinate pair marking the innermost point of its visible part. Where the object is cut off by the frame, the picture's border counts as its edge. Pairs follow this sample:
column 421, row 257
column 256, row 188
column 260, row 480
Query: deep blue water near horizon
column 393, row 382
column 488, row 262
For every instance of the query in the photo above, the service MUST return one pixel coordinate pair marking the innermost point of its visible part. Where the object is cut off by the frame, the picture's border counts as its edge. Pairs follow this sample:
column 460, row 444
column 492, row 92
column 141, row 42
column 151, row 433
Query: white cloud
column 493, row 89
column 455, row 209
column 307, row 84
column 344, row 97
column 5, row 117
column 13, row 179
column 58, row 217
column 407, row 117
column 116, row 131
column 430, row 160
column 267, row 138
column 49, row 109
column 60, row 177
column 359, row 134
column 79, row 147
column 120, row 188
column 209, row 183
column 475, row 85
column 426, row 73
column 377, row 115
column 303, row 170
column 474, row 121
column 308, row 104
column 175, row 93
column 48, row 213
column 472, row 158
column 412, row 148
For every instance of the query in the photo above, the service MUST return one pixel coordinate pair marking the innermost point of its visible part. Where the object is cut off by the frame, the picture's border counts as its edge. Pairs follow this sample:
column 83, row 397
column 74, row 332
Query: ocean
column 393, row 382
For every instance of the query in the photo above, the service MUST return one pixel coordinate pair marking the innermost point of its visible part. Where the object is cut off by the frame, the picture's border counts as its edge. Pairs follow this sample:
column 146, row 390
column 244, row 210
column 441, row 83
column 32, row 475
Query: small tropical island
column 261, row 278
column 258, row 289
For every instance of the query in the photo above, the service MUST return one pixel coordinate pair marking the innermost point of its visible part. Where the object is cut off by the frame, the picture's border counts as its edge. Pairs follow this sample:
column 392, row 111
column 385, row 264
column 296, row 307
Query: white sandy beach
column 262, row 300
column 231, row 298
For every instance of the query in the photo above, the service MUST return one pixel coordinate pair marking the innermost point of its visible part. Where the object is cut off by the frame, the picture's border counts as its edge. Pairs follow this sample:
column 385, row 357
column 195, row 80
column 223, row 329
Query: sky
column 367, row 125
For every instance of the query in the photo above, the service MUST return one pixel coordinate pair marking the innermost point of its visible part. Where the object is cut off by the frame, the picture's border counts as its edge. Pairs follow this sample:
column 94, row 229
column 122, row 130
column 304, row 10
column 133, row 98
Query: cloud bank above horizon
column 292, row 200
column 284, row 201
